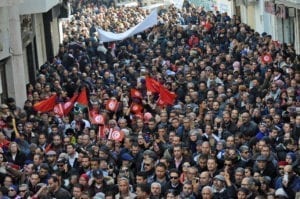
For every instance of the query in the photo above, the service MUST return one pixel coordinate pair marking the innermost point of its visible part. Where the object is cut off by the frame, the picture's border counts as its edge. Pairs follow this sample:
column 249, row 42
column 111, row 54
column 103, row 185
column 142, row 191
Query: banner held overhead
column 148, row 22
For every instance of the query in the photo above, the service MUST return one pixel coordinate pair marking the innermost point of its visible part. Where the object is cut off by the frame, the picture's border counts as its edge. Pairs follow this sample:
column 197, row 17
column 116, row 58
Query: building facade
column 29, row 36
column 279, row 18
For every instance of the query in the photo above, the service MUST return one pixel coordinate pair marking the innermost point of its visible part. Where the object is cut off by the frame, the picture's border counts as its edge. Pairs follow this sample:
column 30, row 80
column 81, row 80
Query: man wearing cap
column 97, row 183
column 126, row 159
column 51, row 160
column 245, row 157
column 12, row 191
column 264, row 167
column 222, row 186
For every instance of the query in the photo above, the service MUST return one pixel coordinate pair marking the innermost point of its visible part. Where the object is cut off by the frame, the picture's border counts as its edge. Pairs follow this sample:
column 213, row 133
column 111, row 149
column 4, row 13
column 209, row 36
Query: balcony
column 289, row 3
column 34, row 6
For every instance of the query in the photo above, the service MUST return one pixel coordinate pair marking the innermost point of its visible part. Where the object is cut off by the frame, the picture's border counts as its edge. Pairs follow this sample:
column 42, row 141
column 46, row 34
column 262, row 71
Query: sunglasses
column 174, row 177
column 11, row 190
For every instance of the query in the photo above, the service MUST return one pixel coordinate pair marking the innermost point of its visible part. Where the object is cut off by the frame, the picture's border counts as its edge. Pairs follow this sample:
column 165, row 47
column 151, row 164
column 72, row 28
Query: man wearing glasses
column 12, row 191
column 245, row 157
column 174, row 182
column 23, row 191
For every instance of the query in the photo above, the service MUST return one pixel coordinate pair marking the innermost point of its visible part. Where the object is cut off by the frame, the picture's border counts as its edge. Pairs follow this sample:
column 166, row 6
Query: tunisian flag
column 136, row 108
column 266, row 58
column 68, row 106
column 166, row 96
column 45, row 105
column 112, row 105
column 152, row 85
column 96, row 118
column 117, row 135
column 135, row 93
column 62, row 109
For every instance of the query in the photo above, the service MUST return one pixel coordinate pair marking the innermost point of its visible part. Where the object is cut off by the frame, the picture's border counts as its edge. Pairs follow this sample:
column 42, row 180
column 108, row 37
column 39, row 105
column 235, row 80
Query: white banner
column 178, row 4
column 148, row 22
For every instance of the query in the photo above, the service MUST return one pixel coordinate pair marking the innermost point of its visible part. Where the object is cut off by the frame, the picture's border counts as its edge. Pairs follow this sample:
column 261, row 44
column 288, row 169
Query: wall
column 25, row 61
column 297, row 32
column 251, row 13
column 40, row 39
column 4, row 33
column 15, row 67
column 55, row 35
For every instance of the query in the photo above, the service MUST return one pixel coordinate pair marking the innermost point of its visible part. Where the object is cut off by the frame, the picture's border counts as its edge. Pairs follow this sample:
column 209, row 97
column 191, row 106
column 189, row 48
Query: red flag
column 160, row 103
column 68, row 106
column 45, row 105
column 96, row 118
column 152, row 85
column 112, row 105
column 166, row 96
column 136, row 108
column 135, row 93
column 266, row 58
column 59, row 109
column 116, row 135
column 82, row 98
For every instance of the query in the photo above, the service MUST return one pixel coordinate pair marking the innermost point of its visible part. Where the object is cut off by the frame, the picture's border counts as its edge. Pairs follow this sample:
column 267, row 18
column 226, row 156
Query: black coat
column 184, row 159
column 19, row 159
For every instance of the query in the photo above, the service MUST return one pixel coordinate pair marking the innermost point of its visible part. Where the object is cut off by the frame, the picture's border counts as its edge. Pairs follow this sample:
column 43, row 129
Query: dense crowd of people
column 232, row 132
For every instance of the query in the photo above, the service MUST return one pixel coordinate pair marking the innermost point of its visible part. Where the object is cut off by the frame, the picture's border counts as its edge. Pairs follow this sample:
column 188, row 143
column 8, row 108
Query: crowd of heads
column 233, row 130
